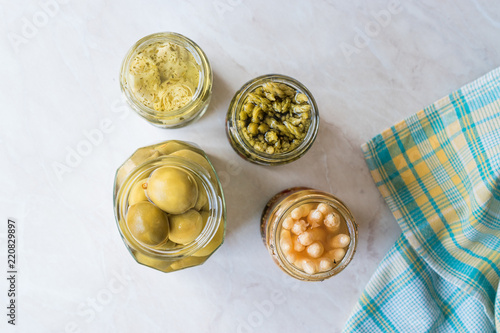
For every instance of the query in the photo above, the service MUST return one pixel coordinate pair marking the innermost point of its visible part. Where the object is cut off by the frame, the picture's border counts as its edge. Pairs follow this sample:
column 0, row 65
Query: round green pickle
column 147, row 223
column 138, row 192
column 173, row 190
column 184, row 228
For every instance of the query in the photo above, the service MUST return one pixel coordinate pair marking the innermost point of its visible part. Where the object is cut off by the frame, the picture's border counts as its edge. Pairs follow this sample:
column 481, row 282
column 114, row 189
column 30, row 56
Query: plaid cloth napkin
column 439, row 172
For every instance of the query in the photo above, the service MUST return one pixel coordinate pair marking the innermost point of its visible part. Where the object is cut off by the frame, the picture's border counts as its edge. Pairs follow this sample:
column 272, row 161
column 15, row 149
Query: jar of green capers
column 273, row 119
column 169, row 206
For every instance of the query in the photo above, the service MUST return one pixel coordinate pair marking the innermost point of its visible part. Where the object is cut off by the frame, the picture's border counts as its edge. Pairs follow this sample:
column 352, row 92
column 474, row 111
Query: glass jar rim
column 200, row 57
column 316, row 197
column 216, row 216
column 263, row 157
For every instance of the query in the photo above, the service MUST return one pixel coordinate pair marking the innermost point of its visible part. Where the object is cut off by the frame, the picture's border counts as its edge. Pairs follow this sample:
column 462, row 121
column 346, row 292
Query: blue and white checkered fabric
column 439, row 172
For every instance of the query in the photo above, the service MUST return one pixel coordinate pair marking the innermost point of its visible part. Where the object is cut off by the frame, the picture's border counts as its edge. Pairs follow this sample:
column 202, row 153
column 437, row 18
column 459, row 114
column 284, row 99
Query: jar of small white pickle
column 272, row 120
column 311, row 235
column 167, row 79
column 169, row 206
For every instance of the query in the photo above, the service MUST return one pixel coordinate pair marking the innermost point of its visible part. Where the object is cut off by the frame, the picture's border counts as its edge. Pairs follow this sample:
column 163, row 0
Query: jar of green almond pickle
column 272, row 120
column 169, row 206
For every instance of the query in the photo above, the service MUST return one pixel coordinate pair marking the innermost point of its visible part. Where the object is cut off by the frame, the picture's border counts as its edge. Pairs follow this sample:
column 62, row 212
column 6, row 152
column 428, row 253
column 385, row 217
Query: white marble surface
column 59, row 81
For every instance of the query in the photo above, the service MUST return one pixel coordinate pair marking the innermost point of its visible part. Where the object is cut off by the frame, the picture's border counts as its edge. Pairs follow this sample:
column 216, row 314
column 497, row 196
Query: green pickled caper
column 248, row 108
column 263, row 128
column 257, row 114
column 271, row 137
column 301, row 98
column 253, row 128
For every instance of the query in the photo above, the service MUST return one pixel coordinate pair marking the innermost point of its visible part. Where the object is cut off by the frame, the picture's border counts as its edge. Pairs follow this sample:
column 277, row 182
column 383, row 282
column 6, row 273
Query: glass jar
column 186, row 114
column 280, row 207
column 188, row 157
column 237, row 138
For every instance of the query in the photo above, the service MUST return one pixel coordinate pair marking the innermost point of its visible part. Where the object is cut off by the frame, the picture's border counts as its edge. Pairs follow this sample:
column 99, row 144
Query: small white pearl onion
column 336, row 255
column 315, row 250
column 291, row 256
column 332, row 221
column 297, row 246
column 324, row 209
column 310, row 236
column 314, row 218
column 325, row 264
column 299, row 227
column 309, row 266
column 296, row 213
column 285, row 241
column 306, row 238
column 340, row 240
column 288, row 223
column 301, row 211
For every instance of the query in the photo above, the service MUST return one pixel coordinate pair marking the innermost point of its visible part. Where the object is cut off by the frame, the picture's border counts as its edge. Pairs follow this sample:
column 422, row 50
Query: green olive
column 138, row 193
column 186, row 227
column 147, row 223
column 172, row 189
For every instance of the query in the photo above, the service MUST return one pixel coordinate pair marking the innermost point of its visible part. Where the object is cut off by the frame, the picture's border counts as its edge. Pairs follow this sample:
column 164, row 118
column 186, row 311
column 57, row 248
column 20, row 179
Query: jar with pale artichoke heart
column 169, row 206
column 166, row 78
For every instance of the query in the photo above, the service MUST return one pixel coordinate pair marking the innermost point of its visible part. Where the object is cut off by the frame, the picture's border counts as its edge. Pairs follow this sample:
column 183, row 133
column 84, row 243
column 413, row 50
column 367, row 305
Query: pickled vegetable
column 184, row 228
column 275, row 118
column 173, row 190
column 321, row 237
column 164, row 76
column 168, row 202
column 147, row 223
column 138, row 192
